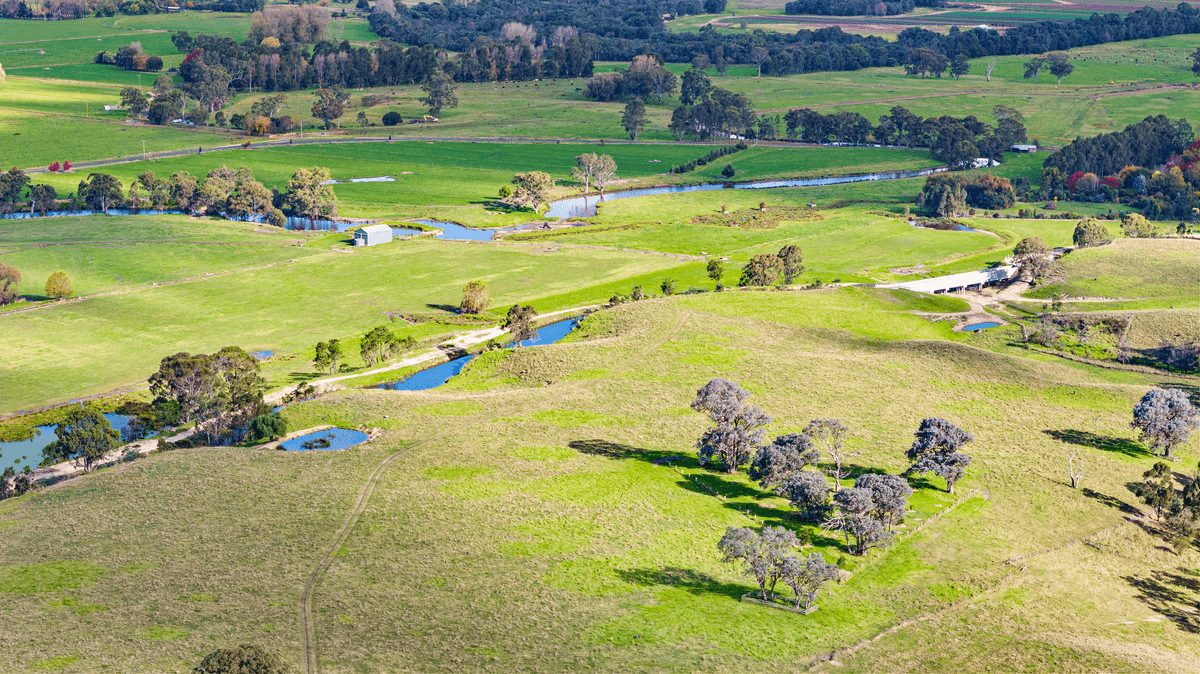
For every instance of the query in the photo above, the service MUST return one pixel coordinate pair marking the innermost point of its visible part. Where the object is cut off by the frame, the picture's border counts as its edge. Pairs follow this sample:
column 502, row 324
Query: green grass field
column 50, row 120
column 532, row 529
column 285, row 307
column 459, row 181
column 768, row 15
column 119, row 253
column 1143, row 273
column 545, row 510
column 1113, row 85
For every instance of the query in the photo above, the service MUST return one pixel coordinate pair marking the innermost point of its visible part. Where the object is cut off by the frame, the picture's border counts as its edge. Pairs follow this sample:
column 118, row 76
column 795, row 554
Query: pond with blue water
column 440, row 374
column 328, row 439
column 455, row 232
column 21, row 453
column 975, row 327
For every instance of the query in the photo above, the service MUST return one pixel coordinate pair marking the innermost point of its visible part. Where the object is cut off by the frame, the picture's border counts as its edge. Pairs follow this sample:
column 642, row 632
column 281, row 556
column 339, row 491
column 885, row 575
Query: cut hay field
column 527, row 524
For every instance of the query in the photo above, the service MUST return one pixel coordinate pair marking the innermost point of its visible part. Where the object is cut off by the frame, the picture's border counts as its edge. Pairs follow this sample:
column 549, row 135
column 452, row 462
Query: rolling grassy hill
column 529, row 524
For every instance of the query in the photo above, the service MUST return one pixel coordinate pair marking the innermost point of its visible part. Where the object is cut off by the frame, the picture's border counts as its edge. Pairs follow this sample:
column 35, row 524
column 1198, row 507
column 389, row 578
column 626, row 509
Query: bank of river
column 440, row 374
column 21, row 453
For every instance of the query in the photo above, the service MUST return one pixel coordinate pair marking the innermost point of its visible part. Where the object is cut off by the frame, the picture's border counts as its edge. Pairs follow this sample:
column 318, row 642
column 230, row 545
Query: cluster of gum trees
column 219, row 392
column 375, row 346
column 767, row 556
column 766, row 269
column 1165, row 419
column 222, row 192
column 796, row 465
column 532, row 189
column 627, row 28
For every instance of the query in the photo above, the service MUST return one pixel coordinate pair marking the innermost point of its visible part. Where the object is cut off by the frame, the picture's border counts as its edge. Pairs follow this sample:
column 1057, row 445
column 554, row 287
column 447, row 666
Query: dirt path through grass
column 309, row 625
column 462, row 341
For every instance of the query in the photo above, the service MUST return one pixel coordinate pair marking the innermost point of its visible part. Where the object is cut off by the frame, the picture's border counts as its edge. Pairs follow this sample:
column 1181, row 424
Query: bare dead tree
column 829, row 435
column 1075, row 468
column 991, row 64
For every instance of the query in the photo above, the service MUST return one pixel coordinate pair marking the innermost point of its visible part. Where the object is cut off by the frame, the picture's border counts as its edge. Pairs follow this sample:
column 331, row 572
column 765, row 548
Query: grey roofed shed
column 372, row 235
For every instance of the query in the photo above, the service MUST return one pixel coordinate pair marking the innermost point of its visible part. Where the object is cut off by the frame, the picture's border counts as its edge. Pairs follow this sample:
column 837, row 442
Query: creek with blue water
column 440, row 374
column 21, row 453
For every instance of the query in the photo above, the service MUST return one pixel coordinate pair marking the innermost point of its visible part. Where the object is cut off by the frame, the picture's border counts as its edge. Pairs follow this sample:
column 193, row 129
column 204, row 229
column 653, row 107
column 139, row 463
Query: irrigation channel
column 440, row 374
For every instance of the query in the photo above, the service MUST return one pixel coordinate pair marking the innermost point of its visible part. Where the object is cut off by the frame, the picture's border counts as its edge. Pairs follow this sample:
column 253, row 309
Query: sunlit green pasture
column 94, row 345
column 104, row 254
column 850, row 244
column 1150, row 273
column 460, row 181
column 554, row 515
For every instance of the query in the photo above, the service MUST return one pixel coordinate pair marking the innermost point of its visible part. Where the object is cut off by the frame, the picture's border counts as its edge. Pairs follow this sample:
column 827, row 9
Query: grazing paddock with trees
column 562, row 527
column 746, row 456
column 257, row 307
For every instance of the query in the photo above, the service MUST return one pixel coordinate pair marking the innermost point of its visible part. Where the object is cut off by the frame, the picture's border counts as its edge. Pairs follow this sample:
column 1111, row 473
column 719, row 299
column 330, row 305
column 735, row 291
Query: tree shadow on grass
column 1192, row 390
column 442, row 307
column 1111, row 501
column 708, row 483
column 691, row 581
column 301, row 377
column 1175, row 595
column 1088, row 439
column 616, row 450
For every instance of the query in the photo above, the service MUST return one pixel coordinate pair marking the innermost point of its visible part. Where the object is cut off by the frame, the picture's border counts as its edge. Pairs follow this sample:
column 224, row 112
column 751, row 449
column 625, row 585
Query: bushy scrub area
column 556, row 515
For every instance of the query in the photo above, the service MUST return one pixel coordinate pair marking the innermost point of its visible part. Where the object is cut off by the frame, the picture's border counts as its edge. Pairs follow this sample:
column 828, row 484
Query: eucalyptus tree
column 1165, row 418
column 829, row 437
column 737, row 429
column 761, row 553
column 776, row 462
column 936, row 448
column 84, row 435
column 806, row 576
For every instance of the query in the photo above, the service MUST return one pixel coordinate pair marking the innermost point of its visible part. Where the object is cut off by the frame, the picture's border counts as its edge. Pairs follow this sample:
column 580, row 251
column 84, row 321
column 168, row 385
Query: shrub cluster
column 710, row 157
column 762, row 218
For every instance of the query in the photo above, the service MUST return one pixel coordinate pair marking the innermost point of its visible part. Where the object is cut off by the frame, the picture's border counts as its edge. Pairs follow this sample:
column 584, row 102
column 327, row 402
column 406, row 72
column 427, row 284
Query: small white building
column 372, row 235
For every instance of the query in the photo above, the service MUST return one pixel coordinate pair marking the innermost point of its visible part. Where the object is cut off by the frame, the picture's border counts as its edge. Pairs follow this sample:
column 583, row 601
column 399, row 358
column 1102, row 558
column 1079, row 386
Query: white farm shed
column 372, row 235
column 957, row 282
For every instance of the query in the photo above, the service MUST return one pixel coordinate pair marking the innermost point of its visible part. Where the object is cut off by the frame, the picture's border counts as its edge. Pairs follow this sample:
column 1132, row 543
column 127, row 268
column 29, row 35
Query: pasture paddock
column 536, row 527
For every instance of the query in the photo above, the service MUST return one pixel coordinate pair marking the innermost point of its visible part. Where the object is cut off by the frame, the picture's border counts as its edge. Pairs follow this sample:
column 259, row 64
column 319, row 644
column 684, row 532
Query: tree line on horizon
column 631, row 27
